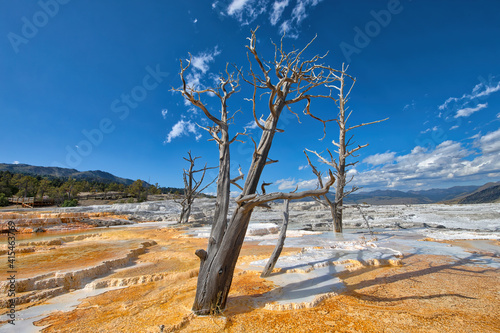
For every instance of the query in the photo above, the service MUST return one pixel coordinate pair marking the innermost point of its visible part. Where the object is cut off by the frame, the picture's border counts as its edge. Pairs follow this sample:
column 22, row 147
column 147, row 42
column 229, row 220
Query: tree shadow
column 397, row 299
column 320, row 285
column 454, row 266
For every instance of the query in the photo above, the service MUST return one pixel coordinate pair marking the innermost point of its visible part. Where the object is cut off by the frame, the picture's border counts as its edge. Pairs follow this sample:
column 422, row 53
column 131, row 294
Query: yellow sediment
column 414, row 294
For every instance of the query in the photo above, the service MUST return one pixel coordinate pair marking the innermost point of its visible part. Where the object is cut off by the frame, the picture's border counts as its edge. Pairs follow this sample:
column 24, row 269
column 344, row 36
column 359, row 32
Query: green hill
column 56, row 172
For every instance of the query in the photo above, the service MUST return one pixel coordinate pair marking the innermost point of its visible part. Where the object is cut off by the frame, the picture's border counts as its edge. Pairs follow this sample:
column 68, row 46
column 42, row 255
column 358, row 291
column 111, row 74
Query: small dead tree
column 268, row 269
column 345, row 149
column 191, row 187
column 228, row 85
column 295, row 80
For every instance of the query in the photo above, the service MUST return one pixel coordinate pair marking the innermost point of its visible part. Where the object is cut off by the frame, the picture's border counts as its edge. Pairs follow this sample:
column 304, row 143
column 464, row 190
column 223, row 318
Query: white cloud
column 202, row 60
column 253, row 125
column 246, row 11
column 200, row 64
column 498, row 115
column 447, row 102
column 302, row 167
column 448, row 162
column 379, row 159
column 164, row 113
column 292, row 184
column 233, row 194
column 433, row 129
column 490, row 142
column 480, row 90
column 277, row 11
column 409, row 106
column 285, row 184
column 453, row 127
column 236, row 6
column 195, row 20
column 288, row 29
column 16, row 162
column 307, row 184
column 488, row 90
column 182, row 128
column 465, row 112
column 299, row 13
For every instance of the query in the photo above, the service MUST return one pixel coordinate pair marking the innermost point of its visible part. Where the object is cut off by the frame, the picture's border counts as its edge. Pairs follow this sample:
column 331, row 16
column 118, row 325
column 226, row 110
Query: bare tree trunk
column 185, row 213
column 223, row 195
column 217, row 267
column 339, row 197
column 343, row 152
column 268, row 269
column 191, row 187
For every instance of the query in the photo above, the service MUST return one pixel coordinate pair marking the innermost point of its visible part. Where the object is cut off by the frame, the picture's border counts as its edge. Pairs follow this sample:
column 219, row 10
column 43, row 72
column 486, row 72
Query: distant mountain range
column 96, row 175
column 489, row 192
column 458, row 194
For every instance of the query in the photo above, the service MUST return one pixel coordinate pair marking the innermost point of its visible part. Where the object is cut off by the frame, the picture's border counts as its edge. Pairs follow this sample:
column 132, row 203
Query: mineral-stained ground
column 157, row 271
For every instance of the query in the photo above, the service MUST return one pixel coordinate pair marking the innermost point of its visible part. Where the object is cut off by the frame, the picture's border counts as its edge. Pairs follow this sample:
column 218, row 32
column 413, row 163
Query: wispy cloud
column 277, row 10
column 410, row 106
column 253, row 125
column 302, row 167
column 237, row 6
column 164, row 113
column 201, row 60
column 16, row 162
column 182, row 128
column 299, row 13
column 465, row 112
column 247, row 11
column 430, row 129
column 480, row 90
column 291, row 184
column 200, row 65
column 379, row 159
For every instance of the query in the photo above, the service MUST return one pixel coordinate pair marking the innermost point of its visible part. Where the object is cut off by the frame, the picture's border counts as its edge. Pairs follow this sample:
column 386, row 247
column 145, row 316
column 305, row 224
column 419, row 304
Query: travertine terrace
column 143, row 275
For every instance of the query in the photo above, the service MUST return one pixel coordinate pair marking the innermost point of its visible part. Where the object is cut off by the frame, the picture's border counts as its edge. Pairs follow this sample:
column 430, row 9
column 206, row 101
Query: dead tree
column 344, row 150
column 228, row 85
column 295, row 80
column 191, row 187
column 268, row 269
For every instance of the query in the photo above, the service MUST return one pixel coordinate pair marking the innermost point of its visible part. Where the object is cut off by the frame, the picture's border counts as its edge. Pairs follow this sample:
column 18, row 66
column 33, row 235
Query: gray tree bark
column 268, row 269
column 343, row 150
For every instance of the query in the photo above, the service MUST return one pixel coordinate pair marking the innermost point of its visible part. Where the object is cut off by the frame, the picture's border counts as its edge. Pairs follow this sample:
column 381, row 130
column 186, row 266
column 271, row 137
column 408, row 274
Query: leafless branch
column 253, row 200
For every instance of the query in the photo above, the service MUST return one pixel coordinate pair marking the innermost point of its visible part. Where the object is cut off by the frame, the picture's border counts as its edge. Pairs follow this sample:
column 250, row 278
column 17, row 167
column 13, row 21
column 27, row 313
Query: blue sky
column 87, row 85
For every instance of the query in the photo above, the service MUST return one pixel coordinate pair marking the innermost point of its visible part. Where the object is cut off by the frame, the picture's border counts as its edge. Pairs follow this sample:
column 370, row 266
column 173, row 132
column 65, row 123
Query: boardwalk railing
column 31, row 202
